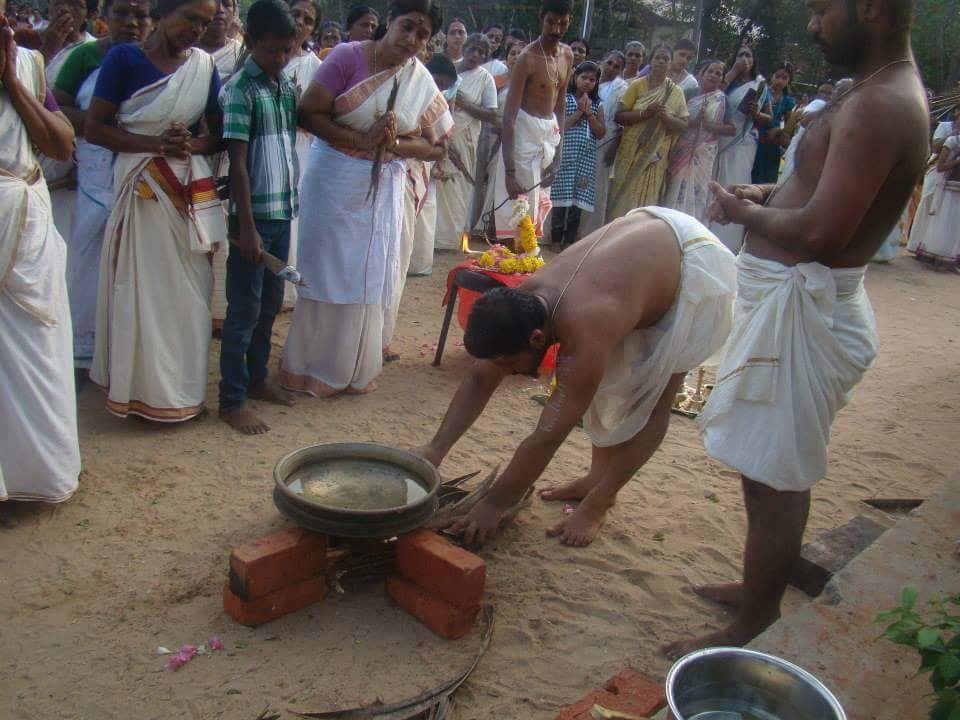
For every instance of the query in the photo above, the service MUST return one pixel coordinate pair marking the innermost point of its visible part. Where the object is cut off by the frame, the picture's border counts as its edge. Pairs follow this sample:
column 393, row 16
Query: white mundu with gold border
column 39, row 450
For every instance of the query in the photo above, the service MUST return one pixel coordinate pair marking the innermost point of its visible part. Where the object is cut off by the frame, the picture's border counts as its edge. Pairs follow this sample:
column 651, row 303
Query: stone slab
column 835, row 636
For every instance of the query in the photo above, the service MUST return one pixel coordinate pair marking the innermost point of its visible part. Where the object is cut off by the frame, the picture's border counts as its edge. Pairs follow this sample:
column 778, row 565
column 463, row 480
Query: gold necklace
column 877, row 72
column 555, row 75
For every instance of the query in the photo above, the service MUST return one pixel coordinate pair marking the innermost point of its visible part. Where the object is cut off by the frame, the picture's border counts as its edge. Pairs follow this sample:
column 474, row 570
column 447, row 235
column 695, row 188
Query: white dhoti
column 415, row 184
column 85, row 242
column 803, row 337
column 350, row 264
column 424, row 233
column 94, row 200
column 535, row 142
column 39, row 449
column 694, row 328
column 935, row 234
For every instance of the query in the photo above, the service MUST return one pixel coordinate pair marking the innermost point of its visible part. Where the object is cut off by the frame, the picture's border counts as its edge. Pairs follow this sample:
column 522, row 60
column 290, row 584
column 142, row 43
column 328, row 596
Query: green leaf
column 909, row 596
column 928, row 637
column 928, row 660
column 942, row 710
column 949, row 668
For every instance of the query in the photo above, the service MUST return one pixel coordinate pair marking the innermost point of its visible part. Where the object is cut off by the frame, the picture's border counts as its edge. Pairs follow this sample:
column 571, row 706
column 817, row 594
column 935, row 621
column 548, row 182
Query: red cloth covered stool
column 467, row 282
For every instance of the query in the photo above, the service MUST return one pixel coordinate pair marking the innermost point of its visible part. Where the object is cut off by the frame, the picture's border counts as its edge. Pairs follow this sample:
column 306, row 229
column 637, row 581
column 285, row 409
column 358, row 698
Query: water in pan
column 355, row 484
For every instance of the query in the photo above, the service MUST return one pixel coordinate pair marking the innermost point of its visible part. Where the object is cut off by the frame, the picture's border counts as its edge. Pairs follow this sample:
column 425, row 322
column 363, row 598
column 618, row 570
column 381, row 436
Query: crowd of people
column 187, row 158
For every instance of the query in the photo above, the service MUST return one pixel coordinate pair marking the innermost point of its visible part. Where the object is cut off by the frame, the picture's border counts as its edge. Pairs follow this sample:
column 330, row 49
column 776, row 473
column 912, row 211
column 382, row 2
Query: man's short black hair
column 557, row 7
column 442, row 66
column 269, row 17
column 501, row 322
column 685, row 44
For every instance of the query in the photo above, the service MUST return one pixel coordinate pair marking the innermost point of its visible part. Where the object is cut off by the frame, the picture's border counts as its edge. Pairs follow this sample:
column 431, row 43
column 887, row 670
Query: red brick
column 580, row 710
column 642, row 691
column 276, row 604
column 276, row 561
column 444, row 619
column 627, row 692
column 440, row 567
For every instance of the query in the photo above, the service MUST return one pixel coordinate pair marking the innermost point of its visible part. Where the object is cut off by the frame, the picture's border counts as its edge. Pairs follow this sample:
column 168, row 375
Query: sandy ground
column 137, row 559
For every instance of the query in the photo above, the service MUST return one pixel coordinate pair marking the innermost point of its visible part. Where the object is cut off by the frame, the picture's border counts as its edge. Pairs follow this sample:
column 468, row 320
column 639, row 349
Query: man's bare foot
column 580, row 529
column 726, row 594
column 272, row 394
column 351, row 390
column 570, row 490
column 390, row 356
column 244, row 421
column 734, row 635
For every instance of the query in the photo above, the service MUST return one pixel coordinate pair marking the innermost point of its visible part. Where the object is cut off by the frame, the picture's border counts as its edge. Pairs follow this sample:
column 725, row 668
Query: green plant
column 936, row 636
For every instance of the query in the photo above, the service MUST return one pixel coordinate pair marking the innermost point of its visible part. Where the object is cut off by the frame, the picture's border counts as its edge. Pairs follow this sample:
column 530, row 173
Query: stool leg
column 454, row 290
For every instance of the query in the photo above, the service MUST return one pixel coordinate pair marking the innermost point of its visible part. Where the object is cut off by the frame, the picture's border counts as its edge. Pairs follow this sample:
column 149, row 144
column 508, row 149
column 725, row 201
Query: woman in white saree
column 694, row 157
column 748, row 103
column 66, row 33
column 153, row 300
column 301, row 69
column 39, row 452
column 475, row 104
column 128, row 21
column 371, row 105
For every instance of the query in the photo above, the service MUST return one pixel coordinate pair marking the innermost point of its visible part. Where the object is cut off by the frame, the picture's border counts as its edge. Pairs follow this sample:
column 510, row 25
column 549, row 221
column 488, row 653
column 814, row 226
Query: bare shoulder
column 896, row 107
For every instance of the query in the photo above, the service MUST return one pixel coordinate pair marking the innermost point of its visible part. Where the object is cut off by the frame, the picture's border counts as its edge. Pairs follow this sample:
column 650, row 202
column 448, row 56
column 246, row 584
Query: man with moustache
column 804, row 332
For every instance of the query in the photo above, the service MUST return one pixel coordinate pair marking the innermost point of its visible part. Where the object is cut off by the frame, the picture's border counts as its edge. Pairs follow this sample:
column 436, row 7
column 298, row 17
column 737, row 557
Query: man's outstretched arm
column 578, row 377
column 469, row 401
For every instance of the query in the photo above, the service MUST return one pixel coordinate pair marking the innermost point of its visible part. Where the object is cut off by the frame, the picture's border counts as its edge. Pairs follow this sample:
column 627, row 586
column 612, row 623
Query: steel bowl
column 354, row 523
column 738, row 684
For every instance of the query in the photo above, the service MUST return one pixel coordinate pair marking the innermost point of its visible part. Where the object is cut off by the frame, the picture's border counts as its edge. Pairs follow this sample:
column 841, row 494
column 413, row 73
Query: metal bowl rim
column 688, row 659
column 351, row 449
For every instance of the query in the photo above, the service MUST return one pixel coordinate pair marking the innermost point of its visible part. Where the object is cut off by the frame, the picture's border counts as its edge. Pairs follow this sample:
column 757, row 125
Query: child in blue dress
column 575, row 187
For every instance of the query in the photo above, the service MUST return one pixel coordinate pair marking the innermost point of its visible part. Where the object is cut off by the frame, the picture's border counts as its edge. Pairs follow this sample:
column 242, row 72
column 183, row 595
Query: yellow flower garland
column 500, row 259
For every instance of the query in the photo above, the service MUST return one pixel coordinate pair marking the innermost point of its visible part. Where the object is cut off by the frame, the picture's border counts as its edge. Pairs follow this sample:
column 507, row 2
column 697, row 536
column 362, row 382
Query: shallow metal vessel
column 379, row 522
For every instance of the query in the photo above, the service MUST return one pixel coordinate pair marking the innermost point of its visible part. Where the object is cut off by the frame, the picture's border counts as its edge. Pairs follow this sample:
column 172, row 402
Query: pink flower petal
column 214, row 643
column 174, row 663
column 189, row 652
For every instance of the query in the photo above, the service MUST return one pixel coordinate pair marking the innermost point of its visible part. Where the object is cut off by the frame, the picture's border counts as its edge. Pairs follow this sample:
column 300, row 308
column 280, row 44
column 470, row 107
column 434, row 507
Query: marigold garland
column 502, row 260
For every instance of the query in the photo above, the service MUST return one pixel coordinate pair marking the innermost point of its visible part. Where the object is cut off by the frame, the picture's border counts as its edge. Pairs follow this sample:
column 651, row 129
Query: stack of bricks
column 628, row 693
column 276, row 575
column 438, row 583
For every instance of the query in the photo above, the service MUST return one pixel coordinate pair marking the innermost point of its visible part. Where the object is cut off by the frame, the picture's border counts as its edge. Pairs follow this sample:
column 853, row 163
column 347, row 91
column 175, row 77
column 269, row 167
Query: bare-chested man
column 634, row 306
column 804, row 332
column 532, row 118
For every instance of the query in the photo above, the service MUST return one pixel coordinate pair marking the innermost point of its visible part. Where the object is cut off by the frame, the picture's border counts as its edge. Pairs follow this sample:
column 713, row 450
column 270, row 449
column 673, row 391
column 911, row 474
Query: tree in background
column 777, row 29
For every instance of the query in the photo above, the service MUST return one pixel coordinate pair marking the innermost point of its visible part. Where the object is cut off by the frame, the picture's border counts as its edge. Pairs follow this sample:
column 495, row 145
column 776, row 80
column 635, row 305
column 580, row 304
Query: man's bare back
column 628, row 281
column 545, row 76
column 886, row 119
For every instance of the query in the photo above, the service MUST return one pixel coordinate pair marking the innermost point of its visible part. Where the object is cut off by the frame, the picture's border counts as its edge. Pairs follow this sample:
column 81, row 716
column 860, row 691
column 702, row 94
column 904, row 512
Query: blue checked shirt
column 262, row 112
